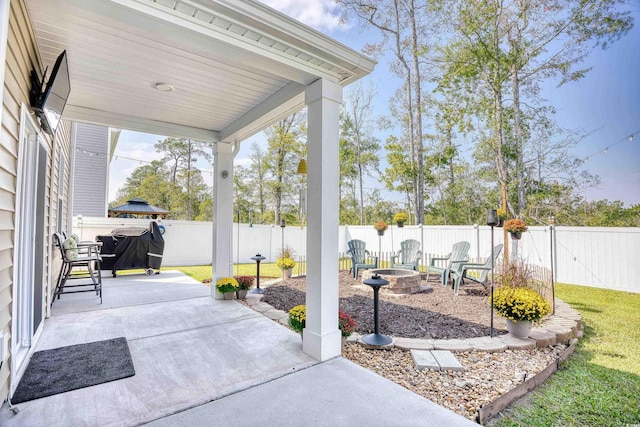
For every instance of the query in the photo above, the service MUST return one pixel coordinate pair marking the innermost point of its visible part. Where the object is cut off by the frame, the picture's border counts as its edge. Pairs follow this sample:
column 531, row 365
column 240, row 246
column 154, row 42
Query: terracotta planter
column 516, row 235
column 242, row 293
column 519, row 328
column 229, row 295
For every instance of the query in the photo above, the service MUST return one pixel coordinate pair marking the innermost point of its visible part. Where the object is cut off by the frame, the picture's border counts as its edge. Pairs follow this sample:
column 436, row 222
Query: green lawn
column 202, row 272
column 600, row 384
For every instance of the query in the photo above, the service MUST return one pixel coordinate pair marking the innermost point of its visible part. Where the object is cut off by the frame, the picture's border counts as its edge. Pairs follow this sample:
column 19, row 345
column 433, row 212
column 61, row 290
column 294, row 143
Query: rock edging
column 564, row 325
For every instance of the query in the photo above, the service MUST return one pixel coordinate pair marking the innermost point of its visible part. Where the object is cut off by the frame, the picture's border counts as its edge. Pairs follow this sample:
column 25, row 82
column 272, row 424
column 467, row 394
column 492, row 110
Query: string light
column 121, row 157
column 606, row 149
column 90, row 153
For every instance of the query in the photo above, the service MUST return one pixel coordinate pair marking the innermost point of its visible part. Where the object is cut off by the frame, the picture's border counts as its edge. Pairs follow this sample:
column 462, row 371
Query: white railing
column 603, row 257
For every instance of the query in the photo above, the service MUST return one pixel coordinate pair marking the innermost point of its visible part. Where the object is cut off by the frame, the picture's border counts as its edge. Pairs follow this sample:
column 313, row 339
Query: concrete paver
column 487, row 344
column 275, row 314
column 447, row 360
column 262, row 307
column 424, row 359
column 518, row 343
column 452, row 345
column 542, row 336
column 413, row 343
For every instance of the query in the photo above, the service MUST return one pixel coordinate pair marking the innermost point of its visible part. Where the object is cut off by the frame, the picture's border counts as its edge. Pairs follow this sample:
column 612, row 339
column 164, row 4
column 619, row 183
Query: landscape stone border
column 562, row 326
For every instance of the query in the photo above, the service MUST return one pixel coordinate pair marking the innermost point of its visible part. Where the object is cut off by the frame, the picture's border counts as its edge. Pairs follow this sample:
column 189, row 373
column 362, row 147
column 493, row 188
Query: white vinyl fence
column 602, row 257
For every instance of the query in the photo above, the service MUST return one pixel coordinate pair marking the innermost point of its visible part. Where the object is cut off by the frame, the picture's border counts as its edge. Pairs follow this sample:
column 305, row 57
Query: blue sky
column 606, row 104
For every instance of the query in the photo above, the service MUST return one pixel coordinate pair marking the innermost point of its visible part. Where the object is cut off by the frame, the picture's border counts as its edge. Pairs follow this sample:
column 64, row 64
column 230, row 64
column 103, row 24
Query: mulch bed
column 433, row 313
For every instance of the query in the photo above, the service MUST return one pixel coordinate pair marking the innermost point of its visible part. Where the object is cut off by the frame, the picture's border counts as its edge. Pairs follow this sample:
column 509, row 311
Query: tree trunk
column 515, row 88
column 418, row 117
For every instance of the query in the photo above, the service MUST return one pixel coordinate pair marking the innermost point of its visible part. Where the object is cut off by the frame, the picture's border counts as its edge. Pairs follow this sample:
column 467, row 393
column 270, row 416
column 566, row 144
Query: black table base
column 376, row 339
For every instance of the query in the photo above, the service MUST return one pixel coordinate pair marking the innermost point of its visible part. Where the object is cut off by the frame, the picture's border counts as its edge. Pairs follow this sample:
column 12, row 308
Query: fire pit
column 400, row 281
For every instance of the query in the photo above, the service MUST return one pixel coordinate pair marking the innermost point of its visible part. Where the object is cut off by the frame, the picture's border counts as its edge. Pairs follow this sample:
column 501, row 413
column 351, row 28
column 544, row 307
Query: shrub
column 400, row 217
column 244, row 282
column 298, row 317
column 515, row 274
column 346, row 323
column 518, row 303
column 285, row 263
column 226, row 285
column 286, row 252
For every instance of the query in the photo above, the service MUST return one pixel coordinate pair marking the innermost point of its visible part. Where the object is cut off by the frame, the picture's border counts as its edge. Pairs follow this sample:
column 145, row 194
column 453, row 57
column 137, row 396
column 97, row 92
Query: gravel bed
column 433, row 313
column 486, row 375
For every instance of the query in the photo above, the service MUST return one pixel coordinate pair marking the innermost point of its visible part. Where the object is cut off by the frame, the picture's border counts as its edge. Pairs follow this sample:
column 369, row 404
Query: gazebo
column 138, row 208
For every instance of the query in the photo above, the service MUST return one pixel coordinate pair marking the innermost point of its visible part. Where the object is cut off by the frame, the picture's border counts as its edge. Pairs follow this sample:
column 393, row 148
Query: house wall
column 21, row 57
column 90, row 170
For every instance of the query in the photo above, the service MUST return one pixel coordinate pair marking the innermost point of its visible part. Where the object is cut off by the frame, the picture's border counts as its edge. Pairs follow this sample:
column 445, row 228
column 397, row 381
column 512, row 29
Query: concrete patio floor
column 202, row 361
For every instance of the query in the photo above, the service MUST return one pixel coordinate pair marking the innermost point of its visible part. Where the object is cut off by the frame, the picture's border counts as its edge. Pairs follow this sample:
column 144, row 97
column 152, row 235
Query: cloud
column 323, row 15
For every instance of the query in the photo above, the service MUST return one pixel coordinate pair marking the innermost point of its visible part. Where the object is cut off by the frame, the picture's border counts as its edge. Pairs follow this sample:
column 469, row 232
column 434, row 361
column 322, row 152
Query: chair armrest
column 478, row 267
column 431, row 261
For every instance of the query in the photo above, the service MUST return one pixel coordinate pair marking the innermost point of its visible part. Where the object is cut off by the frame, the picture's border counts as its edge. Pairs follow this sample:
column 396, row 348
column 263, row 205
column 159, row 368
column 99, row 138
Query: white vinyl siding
column 21, row 57
column 90, row 170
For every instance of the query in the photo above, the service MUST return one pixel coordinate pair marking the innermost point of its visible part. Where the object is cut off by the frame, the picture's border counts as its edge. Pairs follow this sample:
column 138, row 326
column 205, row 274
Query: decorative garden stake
column 257, row 259
column 377, row 339
column 492, row 220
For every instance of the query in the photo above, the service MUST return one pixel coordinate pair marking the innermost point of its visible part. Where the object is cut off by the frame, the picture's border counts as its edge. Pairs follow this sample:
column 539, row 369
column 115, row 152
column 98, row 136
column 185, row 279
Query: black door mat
column 76, row 366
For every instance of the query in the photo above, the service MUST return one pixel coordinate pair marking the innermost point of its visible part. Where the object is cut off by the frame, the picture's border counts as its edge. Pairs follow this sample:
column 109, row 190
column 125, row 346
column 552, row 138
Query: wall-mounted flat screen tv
column 49, row 104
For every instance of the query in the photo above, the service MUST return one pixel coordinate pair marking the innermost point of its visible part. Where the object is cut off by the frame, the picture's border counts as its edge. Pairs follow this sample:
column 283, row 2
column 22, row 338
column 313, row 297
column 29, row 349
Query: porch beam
column 283, row 103
column 321, row 335
column 116, row 120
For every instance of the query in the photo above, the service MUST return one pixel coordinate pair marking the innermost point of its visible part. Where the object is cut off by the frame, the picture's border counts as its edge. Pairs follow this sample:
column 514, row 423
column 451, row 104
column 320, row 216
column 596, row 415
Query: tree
column 404, row 32
column 182, row 154
column 285, row 149
column 258, row 173
column 507, row 48
column 155, row 171
column 358, row 138
column 399, row 176
column 243, row 193
column 348, row 172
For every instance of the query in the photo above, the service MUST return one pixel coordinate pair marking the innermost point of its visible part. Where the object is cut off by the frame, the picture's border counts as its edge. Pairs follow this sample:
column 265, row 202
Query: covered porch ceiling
column 235, row 66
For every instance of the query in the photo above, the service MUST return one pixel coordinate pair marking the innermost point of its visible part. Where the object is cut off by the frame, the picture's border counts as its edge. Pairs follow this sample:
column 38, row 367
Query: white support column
column 321, row 335
column 222, row 261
